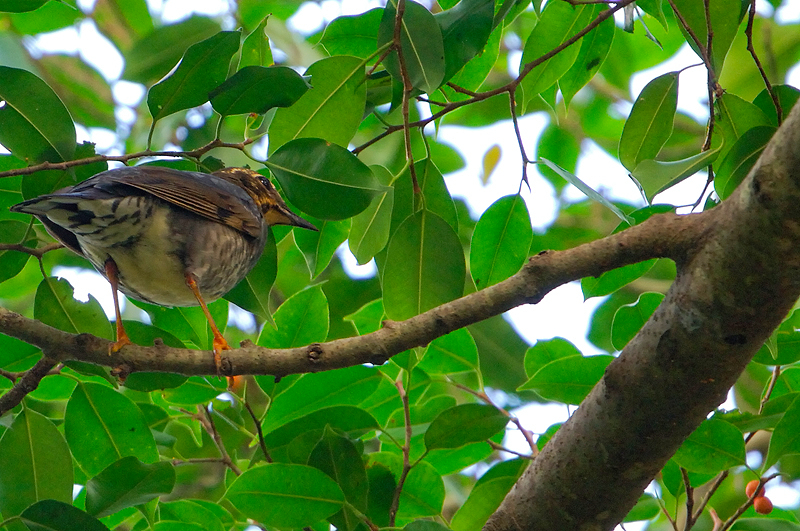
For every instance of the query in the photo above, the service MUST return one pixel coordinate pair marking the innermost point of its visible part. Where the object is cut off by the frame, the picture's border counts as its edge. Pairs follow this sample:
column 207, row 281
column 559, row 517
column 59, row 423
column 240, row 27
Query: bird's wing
column 206, row 195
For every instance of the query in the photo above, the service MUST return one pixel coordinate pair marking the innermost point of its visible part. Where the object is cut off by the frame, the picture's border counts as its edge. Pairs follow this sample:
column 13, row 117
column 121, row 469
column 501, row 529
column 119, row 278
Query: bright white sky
column 563, row 312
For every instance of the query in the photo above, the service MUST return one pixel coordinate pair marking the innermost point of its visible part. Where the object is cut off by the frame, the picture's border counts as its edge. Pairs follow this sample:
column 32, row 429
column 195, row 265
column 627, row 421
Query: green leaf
column 787, row 96
column 127, row 483
column 420, row 42
column 20, row 6
column 201, row 512
column 339, row 458
column 764, row 524
column 196, row 390
column 367, row 318
column 611, row 281
column 347, row 419
column 53, row 515
column 545, row 351
column 34, row 124
column 734, row 117
column 464, row 424
column 437, row 198
column 465, row 31
column 83, row 90
column 54, row 305
column 740, row 159
column 102, row 426
column 714, row 446
column 569, row 379
column 153, row 56
column 255, row 48
column 349, row 386
column 202, row 68
column 645, row 509
column 369, row 231
column 630, row 318
column 649, row 124
column 783, row 348
column 655, row 176
column 331, row 110
column 453, row 353
column 301, row 320
column 257, row 89
column 352, row 35
column 322, row 179
column 786, row 436
column 283, row 495
column 559, row 23
column 12, row 262
column 320, row 246
column 580, row 185
column 425, row 266
column 501, row 241
column 487, row 494
column 36, row 464
column 595, row 46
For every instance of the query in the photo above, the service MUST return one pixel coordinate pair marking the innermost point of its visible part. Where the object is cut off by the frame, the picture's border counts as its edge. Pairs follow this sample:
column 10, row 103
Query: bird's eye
column 266, row 183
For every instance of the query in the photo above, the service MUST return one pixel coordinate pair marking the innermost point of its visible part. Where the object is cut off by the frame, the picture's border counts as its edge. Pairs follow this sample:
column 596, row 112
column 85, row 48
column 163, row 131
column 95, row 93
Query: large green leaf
column 543, row 352
column 202, row 68
column 36, row 464
column 725, row 18
column 568, row 379
column 501, row 241
column 630, row 318
column 126, row 483
column 352, row 35
column 559, row 23
column 465, row 32
column 283, row 495
column 714, row 446
column 649, row 125
column 595, row 46
column 302, row 319
column 257, row 89
column 487, row 494
column 323, row 179
column 452, row 353
column 331, row 110
column 786, row 437
column 740, row 159
column 421, row 45
column 655, row 176
column 369, row 232
column 425, row 266
column 464, row 424
column 34, row 124
column 53, row 515
column 102, row 426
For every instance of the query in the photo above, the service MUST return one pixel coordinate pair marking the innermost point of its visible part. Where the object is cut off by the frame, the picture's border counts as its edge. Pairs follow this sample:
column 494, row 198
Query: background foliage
column 416, row 442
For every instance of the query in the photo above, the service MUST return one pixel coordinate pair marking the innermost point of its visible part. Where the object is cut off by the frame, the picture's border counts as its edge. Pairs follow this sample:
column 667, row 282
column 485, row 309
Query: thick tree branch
column 666, row 235
column 731, row 292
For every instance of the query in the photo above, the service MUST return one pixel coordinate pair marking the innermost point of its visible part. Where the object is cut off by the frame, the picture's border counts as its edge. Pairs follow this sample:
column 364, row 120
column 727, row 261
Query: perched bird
column 167, row 237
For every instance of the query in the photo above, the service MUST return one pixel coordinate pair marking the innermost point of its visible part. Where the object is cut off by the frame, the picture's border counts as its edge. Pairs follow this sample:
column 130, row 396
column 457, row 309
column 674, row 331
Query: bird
column 166, row 236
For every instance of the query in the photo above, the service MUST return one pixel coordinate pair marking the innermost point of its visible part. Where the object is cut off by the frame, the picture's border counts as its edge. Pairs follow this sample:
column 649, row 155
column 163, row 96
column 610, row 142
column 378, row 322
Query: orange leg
column 112, row 273
column 219, row 342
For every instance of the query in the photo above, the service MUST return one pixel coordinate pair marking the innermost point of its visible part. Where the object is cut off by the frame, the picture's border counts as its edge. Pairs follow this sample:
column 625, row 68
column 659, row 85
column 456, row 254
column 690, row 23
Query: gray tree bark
column 738, row 276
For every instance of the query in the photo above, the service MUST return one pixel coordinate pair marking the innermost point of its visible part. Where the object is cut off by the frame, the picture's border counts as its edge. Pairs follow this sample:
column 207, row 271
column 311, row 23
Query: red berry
column 751, row 487
column 762, row 505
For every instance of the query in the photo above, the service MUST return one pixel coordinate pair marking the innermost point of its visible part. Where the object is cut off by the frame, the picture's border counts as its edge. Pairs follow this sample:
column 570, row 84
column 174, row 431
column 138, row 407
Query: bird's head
column 269, row 201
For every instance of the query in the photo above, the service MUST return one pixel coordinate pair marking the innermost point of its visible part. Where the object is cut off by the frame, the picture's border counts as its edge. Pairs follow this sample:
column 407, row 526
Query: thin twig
column 713, row 489
column 261, row 442
column 501, row 448
column 525, row 161
column 749, row 32
column 38, row 252
column 193, row 154
column 687, row 485
column 406, row 450
column 407, row 88
column 26, row 384
column 204, row 417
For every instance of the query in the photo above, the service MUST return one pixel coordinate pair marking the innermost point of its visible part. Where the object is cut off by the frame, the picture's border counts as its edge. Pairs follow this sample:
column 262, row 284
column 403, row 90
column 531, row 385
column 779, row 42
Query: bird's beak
column 283, row 216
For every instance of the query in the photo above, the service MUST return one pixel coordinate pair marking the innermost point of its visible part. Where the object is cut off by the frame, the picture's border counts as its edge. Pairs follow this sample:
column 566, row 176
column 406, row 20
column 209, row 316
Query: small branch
column 261, row 442
column 38, row 252
column 749, row 32
column 687, row 485
column 525, row 160
column 407, row 88
column 193, row 154
column 197, row 461
column 501, row 448
column 713, row 489
column 204, row 417
column 26, row 384
column 406, row 449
